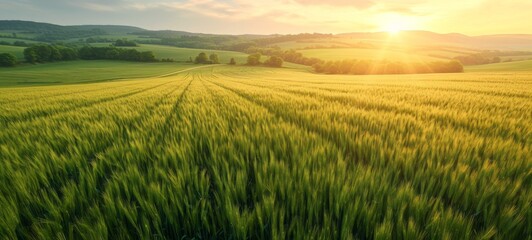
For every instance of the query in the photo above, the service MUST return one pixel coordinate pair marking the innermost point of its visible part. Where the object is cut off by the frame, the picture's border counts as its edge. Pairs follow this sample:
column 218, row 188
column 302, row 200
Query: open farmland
column 183, row 54
column 336, row 54
column 256, row 153
column 60, row 73
column 16, row 51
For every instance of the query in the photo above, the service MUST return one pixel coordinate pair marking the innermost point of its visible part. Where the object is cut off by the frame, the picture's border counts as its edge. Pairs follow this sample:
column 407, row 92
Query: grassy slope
column 17, row 51
column 183, row 54
column 12, row 40
column 365, row 54
column 519, row 66
column 83, row 71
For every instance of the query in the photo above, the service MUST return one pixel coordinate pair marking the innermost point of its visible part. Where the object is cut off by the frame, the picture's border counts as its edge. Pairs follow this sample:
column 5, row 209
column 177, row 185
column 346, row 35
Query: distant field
column 518, row 66
column 257, row 153
column 183, row 54
column 12, row 40
column 17, row 51
column 113, row 37
column 83, row 71
column 366, row 54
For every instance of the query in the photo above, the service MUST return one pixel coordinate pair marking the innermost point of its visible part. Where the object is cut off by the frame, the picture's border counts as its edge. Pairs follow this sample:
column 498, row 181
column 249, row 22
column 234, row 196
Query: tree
column 274, row 61
column 20, row 44
column 68, row 54
column 112, row 54
column 130, row 55
column 214, row 58
column 7, row 60
column 254, row 59
column 201, row 58
column 30, row 55
column 147, row 56
column 55, row 54
column 232, row 61
column 454, row 67
column 125, row 43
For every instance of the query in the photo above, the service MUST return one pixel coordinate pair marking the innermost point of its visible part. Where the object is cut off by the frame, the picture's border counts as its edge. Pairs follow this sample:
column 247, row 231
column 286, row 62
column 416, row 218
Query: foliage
column 274, row 61
column 125, row 43
column 288, row 55
column 112, row 53
column 48, row 53
column 42, row 53
column 232, row 61
column 214, row 58
column 202, row 59
column 7, row 60
column 363, row 67
column 254, row 59
column 477, row 59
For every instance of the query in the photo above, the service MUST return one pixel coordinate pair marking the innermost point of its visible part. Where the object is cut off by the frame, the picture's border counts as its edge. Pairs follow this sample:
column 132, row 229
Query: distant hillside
column 502, row 42
column 519, row 66
column 28, row 26
column 114, row 29
column 37, row 27
column 52, row 32
column 460, row 44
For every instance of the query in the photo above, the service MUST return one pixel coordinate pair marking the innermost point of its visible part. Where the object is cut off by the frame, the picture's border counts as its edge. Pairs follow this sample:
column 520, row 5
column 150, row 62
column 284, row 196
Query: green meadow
column 84, row 72
column 181, row 151
column 183, row 54
column 16, row 51
column 519, row 66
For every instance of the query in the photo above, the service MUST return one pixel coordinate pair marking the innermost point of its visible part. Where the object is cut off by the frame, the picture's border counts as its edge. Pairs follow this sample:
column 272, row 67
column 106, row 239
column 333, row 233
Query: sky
column 471, row 17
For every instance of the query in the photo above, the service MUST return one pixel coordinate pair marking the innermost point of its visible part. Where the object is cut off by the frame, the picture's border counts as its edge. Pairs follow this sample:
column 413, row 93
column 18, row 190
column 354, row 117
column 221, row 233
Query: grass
column 183, row 54
column 258, row 153
column 16, row 51
column 518, row 66
column 83, row 72
column 366, row 54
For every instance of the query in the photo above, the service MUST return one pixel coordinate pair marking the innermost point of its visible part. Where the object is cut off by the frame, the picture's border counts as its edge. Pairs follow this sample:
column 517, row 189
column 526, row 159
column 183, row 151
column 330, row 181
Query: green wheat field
column 231, row 152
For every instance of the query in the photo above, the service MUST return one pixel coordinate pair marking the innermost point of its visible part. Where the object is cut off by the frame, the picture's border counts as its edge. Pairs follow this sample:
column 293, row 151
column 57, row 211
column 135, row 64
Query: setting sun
column 394, row 23
column 393, row 28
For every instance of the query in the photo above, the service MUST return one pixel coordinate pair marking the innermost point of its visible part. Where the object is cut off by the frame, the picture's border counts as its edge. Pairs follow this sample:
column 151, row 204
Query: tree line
column 15, row 43
column 361, row 67
column 477, row 59
column 273, row 61
column 288, row 55
column 202, row 58
column 7, row 60
column 51, row 53
column 365, row 67
column 125, row 43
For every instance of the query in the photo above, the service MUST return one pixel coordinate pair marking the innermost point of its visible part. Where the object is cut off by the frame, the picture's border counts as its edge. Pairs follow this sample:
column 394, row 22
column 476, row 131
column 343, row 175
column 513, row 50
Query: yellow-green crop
column 256, row 153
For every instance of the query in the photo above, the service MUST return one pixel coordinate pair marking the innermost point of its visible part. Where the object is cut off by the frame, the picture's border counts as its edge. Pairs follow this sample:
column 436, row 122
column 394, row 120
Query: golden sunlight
column 393, row 28
column 394, row 24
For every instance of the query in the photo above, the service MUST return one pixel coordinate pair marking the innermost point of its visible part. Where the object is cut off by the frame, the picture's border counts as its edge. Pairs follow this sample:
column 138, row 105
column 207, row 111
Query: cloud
column 96, row 7
column 362, row 4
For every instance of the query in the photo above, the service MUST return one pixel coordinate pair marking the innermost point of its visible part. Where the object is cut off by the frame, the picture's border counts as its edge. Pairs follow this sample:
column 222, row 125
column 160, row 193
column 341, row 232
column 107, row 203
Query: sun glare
column 393, row 28
column 394, row 24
